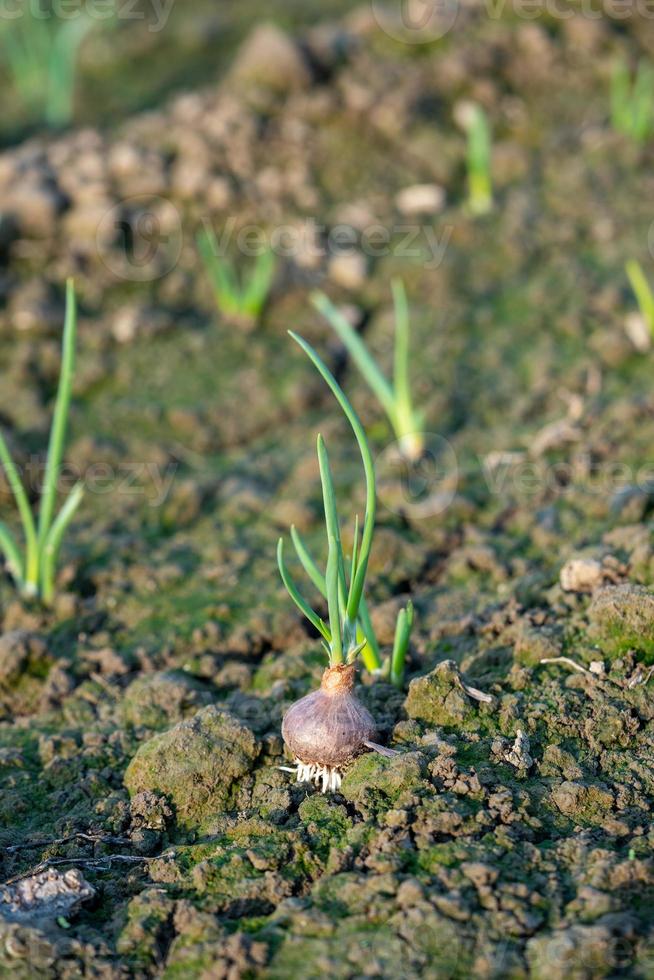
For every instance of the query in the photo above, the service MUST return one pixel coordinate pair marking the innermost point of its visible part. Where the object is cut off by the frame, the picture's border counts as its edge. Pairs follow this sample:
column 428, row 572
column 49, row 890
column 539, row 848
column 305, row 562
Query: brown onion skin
column 329, row 727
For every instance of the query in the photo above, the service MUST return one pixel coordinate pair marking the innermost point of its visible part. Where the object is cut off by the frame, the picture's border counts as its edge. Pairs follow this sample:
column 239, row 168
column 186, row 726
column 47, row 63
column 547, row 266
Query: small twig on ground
column 89, row 838
column 99, row 864
column 476, row 694
column 640, row 678
column 569, row 662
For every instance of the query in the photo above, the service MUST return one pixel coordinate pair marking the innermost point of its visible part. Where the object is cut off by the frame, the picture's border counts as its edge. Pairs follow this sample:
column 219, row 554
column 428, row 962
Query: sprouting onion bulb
column 328, row 728
column 325, row 730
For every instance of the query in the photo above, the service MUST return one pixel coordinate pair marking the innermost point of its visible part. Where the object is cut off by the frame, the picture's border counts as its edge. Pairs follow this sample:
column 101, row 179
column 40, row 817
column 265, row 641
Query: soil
column 140, row 718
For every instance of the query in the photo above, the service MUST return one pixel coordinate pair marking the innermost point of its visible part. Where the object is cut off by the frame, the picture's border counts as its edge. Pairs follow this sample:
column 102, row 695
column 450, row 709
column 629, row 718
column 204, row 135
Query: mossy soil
column 140, row 732
column 132, row 60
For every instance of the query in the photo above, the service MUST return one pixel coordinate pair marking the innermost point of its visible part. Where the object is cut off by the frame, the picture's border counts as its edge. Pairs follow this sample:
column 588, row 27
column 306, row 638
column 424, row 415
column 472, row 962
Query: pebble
column 420, row 199
column 270, row 58
column 581, row 575
column 348, row 270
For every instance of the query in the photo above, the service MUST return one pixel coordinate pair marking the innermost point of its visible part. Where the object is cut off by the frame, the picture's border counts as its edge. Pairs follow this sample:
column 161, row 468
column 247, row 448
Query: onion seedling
column 632, row 101
column 396, row 397
column 242, row 297
column 41, row 58
column 480, row 185
column 326, row 729
column 642, row 292
column 34, row 570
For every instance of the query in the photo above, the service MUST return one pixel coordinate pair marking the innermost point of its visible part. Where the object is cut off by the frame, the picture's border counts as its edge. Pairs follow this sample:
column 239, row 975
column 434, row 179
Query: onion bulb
column 328, row 728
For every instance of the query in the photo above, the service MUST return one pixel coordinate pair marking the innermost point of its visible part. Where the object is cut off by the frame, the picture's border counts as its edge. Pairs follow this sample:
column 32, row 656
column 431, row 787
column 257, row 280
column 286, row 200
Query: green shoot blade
column 312, row 570
column 479, row 163
column 370, row 654
column 479, row 142
column 354, row 651
column 292, row 590
column 11, row 551
column 223, row 278
column 53, row 542
column 355, row 548
column 401, row 644
column 333, row 605
column 60, row 419
column 239, row 295
column 408, row 427
column 62, row 65
column 356, row 586
column 642, row 291
column 259, row 283
column 307, row 562
column 401, row 364
column 358, row 352
column 642, row 98
column 31, row 570
column 329, row 504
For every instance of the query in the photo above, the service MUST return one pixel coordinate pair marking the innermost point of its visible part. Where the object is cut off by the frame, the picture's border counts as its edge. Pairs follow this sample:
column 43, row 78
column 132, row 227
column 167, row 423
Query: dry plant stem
column 640, row 678
column 56, row 841
column 99, row 863
column 476, row 694
column 568, row 662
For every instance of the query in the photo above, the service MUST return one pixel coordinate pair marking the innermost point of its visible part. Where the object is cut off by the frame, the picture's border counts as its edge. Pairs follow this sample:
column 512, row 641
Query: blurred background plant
column 34, row 569
column 40, row 52
column 240, row 293
column 632, row 100
column 396, row 398
column 474, row 122
column 118, row 56
column 640, row 325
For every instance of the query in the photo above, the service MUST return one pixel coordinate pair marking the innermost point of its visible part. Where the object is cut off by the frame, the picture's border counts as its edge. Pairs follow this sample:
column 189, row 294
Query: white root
column 327, row 777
